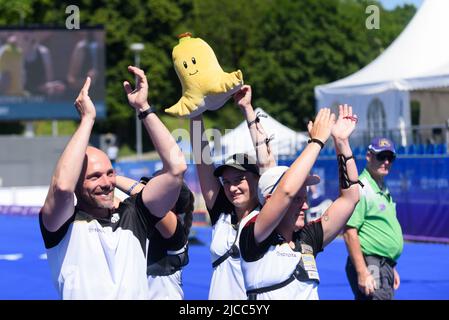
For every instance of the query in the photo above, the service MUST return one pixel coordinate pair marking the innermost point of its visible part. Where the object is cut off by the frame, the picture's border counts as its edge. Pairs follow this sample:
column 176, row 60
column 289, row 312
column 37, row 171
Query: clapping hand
column 345, row 124
column 84, row 104
column 321, row 128
column 137, row 98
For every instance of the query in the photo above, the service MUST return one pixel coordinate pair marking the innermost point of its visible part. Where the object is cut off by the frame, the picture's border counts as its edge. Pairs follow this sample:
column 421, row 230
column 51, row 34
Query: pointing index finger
column 86, row 85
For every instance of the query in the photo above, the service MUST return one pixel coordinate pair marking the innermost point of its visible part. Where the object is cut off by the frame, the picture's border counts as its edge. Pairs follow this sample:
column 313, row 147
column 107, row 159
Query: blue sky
column 391, row 4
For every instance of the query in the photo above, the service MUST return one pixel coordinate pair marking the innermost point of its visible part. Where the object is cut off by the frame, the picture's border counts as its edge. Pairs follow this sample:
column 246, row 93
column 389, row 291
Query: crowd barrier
column 418, row 184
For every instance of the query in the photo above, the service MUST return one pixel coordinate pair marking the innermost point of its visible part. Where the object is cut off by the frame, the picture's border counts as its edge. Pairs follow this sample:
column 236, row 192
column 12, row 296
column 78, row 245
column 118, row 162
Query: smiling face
column 95, row 188
column 240, row 188
column 186, row 66
column 195, row 63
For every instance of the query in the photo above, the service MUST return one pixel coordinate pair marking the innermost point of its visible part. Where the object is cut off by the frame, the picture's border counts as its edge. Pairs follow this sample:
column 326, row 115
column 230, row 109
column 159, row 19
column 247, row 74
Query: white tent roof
column 417, row 59
column 286, row 141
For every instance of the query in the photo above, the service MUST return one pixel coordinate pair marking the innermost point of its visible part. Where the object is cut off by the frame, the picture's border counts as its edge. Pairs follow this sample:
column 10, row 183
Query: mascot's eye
column 185, row 64
column 193, row 60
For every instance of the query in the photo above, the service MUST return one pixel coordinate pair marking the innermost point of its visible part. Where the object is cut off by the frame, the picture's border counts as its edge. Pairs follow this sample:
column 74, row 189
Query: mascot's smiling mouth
column 191, row 74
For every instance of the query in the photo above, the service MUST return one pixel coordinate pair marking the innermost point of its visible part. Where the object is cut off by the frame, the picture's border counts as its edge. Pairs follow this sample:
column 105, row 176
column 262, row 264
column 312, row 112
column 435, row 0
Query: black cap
column 239, row 161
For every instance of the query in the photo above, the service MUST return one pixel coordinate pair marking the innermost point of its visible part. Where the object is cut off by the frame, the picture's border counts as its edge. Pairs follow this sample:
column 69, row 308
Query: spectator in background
column 437, row 136
column 111, row 148
column 373, row 235
column 26, row 66
column 11, row 67
column 86, row 60
column 112, row 152
column 38, row 65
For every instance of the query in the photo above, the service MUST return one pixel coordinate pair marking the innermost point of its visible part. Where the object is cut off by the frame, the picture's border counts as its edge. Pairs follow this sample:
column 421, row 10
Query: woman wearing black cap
column 230, row 194
column 168, row 243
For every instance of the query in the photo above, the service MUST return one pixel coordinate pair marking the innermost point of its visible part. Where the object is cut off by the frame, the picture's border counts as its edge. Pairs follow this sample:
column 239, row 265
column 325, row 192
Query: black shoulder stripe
column 52, row 239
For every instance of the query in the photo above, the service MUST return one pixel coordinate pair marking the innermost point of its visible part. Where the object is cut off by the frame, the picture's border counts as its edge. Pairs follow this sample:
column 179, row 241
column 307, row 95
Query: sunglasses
column 382, row 156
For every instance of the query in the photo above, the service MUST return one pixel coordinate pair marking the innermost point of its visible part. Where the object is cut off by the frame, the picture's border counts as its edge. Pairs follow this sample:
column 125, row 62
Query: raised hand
column 345, row 124
column 84, row 104
column 137, row 98
column 243, row 97
column 322, row 126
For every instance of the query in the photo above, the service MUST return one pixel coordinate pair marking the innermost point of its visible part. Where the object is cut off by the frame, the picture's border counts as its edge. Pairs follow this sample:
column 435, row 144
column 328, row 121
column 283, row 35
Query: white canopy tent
column 414, row 67
column 285, row 141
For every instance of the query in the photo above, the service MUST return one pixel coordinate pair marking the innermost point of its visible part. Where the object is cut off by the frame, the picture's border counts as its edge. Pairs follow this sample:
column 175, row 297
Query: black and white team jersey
column 273, row 261
column 94, row 258
column 166, row 257
column 227, row 279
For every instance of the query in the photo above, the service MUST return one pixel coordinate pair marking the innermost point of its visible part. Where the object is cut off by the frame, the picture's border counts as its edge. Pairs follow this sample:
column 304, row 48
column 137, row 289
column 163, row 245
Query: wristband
column 345, row 182
column 253, row 122
column 257, row 119
column 352, row 118
column 143, row 114
column 132, row 187
column 265, row 141
column 346, row 158
column 319, row 142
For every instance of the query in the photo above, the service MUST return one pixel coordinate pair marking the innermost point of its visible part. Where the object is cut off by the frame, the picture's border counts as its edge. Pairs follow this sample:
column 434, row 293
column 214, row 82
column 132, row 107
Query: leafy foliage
column 284, row 48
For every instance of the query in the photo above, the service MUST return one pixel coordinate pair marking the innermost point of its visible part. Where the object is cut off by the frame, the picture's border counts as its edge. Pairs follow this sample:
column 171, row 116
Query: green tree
column 284, row 48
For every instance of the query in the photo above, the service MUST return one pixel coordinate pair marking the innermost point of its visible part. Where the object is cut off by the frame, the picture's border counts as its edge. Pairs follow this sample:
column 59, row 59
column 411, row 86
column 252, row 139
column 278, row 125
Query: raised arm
column 275, row 208
column 161, row 192
column 59, row 204
column 265, row 157
column 336, row 216
column 210, row 185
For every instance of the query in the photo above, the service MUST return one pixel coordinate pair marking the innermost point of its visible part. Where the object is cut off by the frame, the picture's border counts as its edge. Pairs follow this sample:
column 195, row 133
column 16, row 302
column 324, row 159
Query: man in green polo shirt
column 373, row 234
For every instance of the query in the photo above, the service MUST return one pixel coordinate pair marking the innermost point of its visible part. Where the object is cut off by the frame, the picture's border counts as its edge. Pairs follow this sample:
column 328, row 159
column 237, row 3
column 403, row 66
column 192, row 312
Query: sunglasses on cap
column 382, row 156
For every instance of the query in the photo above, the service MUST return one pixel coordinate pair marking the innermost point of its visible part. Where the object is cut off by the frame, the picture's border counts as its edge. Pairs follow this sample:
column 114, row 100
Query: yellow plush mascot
column 205, row 86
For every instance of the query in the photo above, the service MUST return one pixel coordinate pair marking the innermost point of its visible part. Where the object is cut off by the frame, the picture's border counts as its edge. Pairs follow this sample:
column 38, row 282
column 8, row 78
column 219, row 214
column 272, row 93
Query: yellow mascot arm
column 227, row 82
column 185, row 106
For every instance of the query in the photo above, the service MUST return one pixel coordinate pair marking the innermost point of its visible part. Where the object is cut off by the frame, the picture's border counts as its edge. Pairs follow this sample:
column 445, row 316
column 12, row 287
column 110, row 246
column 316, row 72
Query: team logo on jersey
column 382, row 207
column 115, row 218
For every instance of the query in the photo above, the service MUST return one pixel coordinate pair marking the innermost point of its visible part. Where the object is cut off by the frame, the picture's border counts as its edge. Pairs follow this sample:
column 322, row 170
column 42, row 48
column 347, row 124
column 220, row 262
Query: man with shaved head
column 92, row 195
column 96, row 250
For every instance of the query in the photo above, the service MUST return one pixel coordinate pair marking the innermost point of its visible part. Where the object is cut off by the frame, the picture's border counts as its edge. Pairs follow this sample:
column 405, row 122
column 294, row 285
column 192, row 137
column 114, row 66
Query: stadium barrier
column 419, row 185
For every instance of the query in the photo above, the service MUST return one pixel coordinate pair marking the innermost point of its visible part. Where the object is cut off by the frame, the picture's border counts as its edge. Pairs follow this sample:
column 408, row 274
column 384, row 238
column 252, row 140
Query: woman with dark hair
column 230, row 194
column 167, row 251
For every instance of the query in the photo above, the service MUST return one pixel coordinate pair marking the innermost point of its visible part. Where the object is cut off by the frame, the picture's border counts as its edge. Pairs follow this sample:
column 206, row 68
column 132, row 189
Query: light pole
column 137, row 48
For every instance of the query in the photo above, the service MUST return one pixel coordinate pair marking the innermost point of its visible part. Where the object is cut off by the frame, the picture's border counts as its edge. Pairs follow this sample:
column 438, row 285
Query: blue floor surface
column 424, row 268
